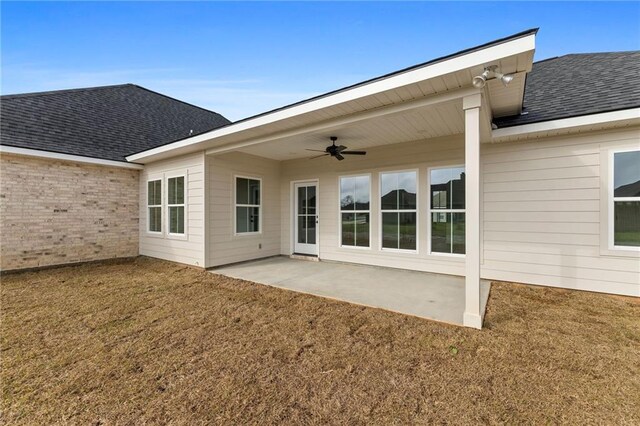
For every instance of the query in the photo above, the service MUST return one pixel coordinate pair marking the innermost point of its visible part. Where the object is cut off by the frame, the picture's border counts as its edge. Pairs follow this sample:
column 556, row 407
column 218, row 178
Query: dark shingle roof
column 107, row 122
column 579, row 84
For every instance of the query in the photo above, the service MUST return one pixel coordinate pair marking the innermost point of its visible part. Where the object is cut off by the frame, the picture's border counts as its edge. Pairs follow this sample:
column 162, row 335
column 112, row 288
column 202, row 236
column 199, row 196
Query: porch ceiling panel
column 412, row 125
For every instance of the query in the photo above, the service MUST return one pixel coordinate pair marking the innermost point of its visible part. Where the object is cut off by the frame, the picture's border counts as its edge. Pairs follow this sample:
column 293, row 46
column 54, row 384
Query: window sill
column 182, row 237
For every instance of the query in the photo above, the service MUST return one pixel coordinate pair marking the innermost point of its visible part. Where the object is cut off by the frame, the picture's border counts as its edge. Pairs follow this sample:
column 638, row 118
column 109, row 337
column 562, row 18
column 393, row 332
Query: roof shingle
column 108, row 122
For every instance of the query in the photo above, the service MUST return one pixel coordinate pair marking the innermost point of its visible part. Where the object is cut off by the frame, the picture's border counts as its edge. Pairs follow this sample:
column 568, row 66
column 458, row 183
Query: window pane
column 311, row 229
column 242, row 191
column 176, row 190
column 389, row 191
column 440, row 188
column 176, row 220
column 626, row 174
column 155, row 219
column 441, row 232
column 627, row 223
column 362, row 192
column 458, row 242
column 407, row 222
column 254, row 219
column 362, row 229
column 390, row 230
column 348, row 229
column 407, row 190
column 457, row 188
column 311, row 200
column 154, row 192
column 242, row 219
column 254, row 191
column 347, row 193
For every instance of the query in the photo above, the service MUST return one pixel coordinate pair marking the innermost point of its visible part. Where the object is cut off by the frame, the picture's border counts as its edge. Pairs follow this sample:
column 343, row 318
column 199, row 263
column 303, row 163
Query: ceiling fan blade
column 341, row 148
column 354, row 152
column 318, row 156
column 316, row 150
column 339, row 157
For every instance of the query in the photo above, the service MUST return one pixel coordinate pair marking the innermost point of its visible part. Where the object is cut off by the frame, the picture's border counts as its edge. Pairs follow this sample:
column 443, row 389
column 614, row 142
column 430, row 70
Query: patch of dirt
column 148, row 341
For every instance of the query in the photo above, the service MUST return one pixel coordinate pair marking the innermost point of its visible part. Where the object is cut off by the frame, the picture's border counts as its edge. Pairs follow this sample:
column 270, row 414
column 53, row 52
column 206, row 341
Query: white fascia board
column 472, row 59
column 566, row 123
column 67, row 157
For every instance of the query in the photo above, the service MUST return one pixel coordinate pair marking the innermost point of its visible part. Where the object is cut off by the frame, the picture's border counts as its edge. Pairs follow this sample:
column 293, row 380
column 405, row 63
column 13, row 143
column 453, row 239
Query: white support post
column 471, row 105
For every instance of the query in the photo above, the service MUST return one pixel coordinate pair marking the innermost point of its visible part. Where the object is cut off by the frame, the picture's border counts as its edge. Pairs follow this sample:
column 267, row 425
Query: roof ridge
column 177, row 100
column 55, row 92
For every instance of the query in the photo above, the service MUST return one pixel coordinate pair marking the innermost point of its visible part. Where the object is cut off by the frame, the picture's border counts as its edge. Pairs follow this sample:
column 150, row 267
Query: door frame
column 293, row 213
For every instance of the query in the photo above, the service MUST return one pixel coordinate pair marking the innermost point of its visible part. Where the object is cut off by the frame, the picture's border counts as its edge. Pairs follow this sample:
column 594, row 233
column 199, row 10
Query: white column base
column 472, row 320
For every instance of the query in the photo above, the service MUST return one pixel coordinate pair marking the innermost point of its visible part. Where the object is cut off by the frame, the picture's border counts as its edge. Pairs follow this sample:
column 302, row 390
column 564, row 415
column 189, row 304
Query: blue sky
column 240, row 59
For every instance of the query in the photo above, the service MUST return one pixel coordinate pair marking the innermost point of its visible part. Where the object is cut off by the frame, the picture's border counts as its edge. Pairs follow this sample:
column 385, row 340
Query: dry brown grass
column 154, row 342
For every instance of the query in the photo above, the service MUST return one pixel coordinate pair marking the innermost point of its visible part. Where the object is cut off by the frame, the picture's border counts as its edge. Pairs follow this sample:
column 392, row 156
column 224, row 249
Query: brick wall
column 54, row 212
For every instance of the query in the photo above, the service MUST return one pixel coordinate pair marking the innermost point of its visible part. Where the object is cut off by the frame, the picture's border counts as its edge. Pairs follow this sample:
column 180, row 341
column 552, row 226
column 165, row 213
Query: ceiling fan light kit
column 338, row 151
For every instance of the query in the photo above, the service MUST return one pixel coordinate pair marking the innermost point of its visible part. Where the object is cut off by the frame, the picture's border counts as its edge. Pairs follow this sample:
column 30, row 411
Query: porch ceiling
column 416, row 124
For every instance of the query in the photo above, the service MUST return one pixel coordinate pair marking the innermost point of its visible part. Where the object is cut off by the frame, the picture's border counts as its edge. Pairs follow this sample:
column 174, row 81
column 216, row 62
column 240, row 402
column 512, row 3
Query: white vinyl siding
column 189, row 247
column 224, row 244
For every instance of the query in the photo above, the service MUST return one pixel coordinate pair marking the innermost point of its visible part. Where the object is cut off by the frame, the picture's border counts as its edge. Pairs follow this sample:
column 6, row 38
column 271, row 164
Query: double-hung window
column 625, row 202
column 154, row 205
column 175, row 205
column 355, row 211
column 447, row 205
column 398, row 206
column 248, row 200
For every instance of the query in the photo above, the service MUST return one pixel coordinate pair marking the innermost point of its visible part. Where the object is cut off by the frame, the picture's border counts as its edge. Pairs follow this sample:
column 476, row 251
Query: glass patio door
column 306, row 218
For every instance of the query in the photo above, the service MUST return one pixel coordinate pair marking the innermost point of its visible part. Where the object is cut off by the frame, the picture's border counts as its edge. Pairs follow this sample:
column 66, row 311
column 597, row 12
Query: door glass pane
column 311, row 229
column 311, row 200
column 362, row 229
column 254, row 191
column 242, row 191
column 302, row 232
column 242, row 219
column 362, row 192
column 441, row 232
column 457, row 241
column 347, row 193
column 302, row 198
column 627, row 223
column 390, row 230
column 348, row 229
column 407, row 190
column 626, row 174
column 407, row 223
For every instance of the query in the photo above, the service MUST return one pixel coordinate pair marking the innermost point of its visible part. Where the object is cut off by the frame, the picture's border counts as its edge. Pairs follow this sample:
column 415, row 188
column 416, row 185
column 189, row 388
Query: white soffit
column 605, row 120
column 513, row 55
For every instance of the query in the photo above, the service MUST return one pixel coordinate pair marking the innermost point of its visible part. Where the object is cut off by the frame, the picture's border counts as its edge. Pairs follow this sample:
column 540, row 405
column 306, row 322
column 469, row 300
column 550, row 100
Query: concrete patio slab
column 432, row 296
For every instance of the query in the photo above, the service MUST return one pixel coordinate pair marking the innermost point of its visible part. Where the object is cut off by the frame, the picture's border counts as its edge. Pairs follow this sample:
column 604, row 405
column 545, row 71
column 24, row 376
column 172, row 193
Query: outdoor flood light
column 479, row 81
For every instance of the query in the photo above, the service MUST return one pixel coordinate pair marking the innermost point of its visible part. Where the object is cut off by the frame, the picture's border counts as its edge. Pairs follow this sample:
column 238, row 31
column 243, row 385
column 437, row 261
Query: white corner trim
column 567, row 123
column 67, row 157
column 437, row 69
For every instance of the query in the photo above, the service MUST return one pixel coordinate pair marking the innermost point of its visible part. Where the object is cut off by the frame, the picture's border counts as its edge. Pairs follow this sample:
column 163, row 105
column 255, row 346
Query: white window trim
column 168, row 176
column 430, row 211
column 148, row 224
column 235, row 205
column 355, row 211
column 416, row 211
column 611, row 199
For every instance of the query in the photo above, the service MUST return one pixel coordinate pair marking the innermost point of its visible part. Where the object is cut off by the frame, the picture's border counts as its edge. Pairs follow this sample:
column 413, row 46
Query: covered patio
column 436, row 297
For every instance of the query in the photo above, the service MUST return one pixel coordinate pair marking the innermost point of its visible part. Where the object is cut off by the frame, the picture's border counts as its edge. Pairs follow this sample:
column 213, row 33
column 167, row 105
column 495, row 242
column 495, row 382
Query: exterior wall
column 545, row 214
column 190, row 248
column 56, row 212
column 420, row 155
column 223, row 245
